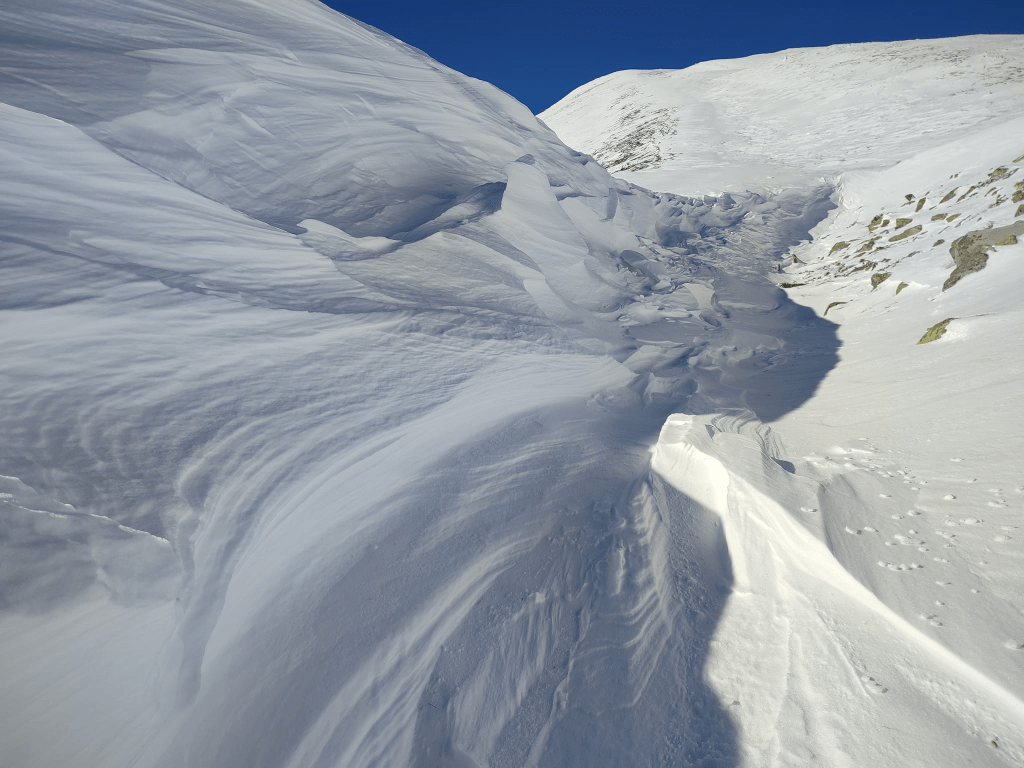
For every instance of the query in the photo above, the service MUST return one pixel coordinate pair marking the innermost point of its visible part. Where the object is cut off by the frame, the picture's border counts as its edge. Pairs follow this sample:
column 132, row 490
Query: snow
column 776, row 119
column 351, row 418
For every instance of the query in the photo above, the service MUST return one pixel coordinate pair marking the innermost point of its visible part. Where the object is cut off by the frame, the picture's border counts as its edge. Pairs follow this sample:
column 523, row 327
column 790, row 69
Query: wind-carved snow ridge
column 794, row 637
column 338, row 400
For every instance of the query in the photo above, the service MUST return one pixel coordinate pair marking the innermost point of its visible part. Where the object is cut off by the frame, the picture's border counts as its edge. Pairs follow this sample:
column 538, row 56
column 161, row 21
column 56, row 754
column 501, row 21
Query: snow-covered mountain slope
column 352, row 419
column 778, row 119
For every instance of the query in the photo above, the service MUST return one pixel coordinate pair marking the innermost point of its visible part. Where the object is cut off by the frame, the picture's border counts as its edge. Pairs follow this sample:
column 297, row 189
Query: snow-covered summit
column 777, row 119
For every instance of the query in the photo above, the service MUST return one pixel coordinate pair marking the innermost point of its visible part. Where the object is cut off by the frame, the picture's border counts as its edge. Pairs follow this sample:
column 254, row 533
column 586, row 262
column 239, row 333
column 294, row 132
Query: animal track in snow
column 906, row 541
column 873, row 686
column 1014, row 645
column 850, row 530
column 971, row 521
column 931, row 618
column 899, row 567
column 897, row 517
column 940, row 560
column 949, row 497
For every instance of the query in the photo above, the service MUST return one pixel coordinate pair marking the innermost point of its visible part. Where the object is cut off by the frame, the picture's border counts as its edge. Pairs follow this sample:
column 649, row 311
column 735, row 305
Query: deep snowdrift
column 338, row 430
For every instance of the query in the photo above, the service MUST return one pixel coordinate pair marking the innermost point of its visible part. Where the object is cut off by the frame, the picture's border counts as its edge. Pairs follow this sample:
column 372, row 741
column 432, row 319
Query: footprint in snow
column 897, row 517
column 1001, row 537
column 941, row 560
column 956, row 459
column 869, row 529
column 949, row 497
column 971, row 521
column 931, row 618
column 944, row 583
column 850, row 530
column 913, row 512
column 1014, row 645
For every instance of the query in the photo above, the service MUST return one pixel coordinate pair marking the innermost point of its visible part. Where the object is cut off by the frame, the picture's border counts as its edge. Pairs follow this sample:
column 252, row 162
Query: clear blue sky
column 540, row 50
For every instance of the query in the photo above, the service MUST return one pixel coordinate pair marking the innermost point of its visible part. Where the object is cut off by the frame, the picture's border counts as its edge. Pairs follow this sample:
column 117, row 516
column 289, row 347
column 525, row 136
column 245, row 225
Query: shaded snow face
column 330, row 380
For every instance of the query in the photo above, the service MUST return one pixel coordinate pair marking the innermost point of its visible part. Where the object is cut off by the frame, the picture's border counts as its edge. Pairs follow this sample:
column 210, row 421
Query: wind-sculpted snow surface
column 351, row 419
column 330, row 378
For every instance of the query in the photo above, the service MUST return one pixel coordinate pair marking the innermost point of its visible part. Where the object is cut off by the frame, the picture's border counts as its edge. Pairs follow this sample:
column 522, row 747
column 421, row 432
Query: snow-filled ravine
column 350, row 418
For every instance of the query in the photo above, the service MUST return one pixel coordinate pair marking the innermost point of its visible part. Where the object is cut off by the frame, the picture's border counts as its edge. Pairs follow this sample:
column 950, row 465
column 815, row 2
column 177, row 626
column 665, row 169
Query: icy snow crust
column 352, row 419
